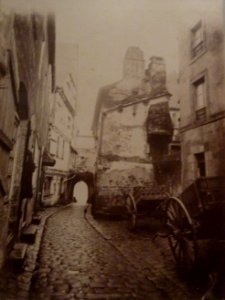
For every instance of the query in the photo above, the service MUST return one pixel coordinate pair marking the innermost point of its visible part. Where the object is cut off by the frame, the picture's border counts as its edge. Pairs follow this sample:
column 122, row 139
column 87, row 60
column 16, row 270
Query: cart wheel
column 181, row 234
column 132, row 212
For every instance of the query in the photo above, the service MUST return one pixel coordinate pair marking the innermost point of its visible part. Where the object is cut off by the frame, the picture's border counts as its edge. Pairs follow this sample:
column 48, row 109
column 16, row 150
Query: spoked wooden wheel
column 181, row 234
column 132, row 212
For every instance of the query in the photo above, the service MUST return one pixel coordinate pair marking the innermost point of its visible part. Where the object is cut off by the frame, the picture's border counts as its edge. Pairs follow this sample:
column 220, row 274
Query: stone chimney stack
column 156, row 74
column 134, row 64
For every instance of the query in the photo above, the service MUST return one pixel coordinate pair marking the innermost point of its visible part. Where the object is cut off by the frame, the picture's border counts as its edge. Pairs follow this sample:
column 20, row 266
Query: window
column 200, row 93
column 200, row 98
column 197, row 40
column 200, row 159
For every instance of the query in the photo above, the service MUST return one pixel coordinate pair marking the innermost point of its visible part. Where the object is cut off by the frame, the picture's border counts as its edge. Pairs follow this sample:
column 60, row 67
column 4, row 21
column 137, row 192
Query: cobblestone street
column 88, row 259
column 151, row 256
column 76, row 263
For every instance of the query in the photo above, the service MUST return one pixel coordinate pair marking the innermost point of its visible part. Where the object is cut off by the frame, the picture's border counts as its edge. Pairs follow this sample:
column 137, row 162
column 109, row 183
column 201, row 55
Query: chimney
column 156, row 74
column 133, row 63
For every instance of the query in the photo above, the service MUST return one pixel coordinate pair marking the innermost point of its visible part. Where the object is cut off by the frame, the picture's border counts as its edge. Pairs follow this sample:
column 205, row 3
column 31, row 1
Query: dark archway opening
column 85, row 179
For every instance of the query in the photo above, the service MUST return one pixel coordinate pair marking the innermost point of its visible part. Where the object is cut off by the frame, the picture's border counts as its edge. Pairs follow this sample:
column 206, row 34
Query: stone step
column 17, row 255
column 28, row 234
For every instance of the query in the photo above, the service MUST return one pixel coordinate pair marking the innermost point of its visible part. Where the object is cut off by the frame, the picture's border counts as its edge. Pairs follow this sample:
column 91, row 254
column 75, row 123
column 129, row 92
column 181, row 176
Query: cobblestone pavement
column 16, row 285
column 76, row 262
column 89, row 259
column 152, row 256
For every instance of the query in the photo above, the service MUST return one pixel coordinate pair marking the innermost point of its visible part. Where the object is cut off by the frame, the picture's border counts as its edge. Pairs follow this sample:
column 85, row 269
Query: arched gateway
column 86, row 177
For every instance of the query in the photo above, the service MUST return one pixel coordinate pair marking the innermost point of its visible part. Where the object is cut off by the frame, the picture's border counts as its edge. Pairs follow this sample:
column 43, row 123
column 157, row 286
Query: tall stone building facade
column 134, row 132
column 26, row 83
column 202, row 93
column 62, row 126
column 61, row 147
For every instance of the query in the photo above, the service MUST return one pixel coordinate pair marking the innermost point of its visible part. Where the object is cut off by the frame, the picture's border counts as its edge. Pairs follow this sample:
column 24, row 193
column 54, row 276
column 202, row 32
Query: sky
column 104, row 29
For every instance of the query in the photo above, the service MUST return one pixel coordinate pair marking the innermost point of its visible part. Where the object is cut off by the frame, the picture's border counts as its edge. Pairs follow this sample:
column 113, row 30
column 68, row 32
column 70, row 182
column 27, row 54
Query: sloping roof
column 124, row 91
column 103, row 100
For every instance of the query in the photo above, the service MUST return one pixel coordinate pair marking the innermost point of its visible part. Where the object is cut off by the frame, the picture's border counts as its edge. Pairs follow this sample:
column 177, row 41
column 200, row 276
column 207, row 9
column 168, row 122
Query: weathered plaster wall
column 124, row 132
column 124, row 159
column 118, row 179
column 125, row 175
column 85, row 160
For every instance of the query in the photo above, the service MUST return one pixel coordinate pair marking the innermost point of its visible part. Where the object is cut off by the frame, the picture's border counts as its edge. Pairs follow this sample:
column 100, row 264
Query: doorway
column 200, row 159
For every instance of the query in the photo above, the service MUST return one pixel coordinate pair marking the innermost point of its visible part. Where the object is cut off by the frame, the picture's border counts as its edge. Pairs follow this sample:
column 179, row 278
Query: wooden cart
column 143, row 202
column 199, row 213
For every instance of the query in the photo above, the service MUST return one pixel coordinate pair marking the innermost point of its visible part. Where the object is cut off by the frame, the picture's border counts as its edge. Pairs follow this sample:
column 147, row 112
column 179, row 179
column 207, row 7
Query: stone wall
column 210, row 63
column 208, row 139
column 24, row 114
column 124, row 155
column 205, row 136
column 85, row 160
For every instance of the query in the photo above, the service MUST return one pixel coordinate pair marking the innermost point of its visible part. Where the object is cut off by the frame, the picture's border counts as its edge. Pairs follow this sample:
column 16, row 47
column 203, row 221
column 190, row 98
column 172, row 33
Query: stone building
column 134, row 132
column 202, row 92
column 86, row 156
column 62, row 126
column 27, row 44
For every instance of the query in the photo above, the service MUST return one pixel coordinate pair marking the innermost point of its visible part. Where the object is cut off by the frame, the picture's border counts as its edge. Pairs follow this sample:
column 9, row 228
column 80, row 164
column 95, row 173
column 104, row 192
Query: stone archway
column 80, row 193
column 86, row 177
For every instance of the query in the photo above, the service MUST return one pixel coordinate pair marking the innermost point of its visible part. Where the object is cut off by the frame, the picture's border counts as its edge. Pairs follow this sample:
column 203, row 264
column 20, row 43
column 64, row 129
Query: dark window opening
column 200, row 159
column 159, row 146
column 174, row 149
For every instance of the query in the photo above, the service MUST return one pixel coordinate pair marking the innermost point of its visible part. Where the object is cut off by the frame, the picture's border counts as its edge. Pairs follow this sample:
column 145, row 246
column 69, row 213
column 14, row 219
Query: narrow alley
column 85, row 259
column 75, row 262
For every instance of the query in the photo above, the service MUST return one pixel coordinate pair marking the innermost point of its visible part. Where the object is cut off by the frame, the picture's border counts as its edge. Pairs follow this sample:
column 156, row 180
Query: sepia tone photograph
column 112, row 150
